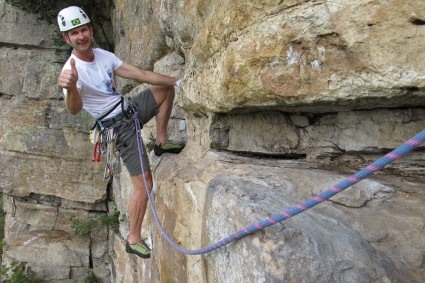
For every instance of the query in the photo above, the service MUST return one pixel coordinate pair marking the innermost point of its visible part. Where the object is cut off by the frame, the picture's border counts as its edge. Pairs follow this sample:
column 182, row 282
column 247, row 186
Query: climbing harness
column 104, row 137
column 379, row 164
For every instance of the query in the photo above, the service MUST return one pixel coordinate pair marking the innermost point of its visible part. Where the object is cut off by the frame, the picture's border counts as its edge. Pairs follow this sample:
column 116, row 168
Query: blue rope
column 379, row 164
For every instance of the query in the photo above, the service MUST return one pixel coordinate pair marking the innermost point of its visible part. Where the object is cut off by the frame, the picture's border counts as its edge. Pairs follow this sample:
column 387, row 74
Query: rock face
column 283, row 99
column 46, row 172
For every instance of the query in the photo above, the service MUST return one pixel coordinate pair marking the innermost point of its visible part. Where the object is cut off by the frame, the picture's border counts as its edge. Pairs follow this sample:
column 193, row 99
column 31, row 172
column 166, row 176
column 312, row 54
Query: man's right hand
column 68, row 78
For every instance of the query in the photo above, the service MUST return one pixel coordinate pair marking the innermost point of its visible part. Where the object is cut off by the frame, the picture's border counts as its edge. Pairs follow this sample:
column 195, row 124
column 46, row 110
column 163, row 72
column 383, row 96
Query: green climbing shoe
column 140, row 249
column 170, row 147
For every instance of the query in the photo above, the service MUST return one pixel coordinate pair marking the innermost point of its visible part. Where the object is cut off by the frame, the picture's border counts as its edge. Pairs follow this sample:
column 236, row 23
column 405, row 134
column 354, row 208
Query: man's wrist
column 180, row 82
column 73, row 89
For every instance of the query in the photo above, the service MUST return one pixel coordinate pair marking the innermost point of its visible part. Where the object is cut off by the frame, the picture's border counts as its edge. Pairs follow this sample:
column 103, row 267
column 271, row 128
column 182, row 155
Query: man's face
column 80, row 37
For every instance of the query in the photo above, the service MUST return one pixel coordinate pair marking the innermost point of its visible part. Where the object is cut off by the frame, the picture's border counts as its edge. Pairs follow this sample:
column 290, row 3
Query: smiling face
column 81, row 39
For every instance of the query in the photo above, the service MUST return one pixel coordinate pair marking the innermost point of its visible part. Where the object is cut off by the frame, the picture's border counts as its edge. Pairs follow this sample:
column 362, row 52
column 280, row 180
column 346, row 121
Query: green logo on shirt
column 75, row 22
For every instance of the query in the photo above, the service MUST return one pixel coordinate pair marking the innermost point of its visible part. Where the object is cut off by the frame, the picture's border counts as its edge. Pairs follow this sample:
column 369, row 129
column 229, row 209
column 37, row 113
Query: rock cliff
column 283, row 100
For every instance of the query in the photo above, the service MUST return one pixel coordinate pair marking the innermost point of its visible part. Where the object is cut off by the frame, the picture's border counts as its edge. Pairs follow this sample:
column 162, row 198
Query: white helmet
column 72, row 17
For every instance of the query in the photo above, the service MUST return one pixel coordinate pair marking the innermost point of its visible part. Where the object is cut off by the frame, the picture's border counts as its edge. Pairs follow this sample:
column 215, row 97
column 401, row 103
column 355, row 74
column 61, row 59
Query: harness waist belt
column 109, row 122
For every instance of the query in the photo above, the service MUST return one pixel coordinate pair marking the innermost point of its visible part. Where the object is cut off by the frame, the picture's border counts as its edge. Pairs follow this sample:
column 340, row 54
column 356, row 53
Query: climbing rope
column 357, row 177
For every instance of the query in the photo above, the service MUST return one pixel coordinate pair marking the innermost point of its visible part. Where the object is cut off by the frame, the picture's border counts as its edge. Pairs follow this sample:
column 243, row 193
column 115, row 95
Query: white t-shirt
column 96, row 83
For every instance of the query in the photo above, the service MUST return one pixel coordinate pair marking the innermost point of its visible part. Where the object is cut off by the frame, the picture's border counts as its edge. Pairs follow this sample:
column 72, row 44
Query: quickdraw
column 106, row 146
column 111, row 137
column 104, row 139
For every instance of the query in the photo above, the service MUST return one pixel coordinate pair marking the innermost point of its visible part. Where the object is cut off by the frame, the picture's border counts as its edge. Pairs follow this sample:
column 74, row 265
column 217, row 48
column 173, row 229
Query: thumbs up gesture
column 68, row 78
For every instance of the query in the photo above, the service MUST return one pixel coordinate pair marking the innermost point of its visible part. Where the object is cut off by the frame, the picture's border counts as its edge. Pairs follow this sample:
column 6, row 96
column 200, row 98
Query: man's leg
column 137, row 206
column 164, row 97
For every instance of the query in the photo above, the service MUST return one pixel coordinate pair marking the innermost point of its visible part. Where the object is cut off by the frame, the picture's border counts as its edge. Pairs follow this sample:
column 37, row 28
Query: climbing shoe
column 170, row 147
column 140, row 249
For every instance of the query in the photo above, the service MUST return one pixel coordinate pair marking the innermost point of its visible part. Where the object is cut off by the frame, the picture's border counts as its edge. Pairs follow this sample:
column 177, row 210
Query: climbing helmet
column 72, row 17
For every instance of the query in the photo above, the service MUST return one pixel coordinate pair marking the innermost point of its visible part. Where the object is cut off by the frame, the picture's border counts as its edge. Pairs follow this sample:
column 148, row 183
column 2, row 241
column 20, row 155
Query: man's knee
column 163, row 92
column 140, row 182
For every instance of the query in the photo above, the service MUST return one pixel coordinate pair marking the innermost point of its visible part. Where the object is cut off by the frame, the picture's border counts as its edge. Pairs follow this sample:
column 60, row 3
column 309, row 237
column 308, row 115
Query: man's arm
column 128, row 71
column 68, row 80
column 73, row 101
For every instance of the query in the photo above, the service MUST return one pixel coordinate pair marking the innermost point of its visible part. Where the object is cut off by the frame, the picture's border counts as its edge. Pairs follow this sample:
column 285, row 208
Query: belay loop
column 379, row 164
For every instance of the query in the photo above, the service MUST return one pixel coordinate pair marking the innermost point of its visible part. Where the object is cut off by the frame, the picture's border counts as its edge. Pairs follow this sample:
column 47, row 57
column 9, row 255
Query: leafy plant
column 151, row 143
column 84, row 226
column 18, row 274
column 111, row 221
column 92, row 278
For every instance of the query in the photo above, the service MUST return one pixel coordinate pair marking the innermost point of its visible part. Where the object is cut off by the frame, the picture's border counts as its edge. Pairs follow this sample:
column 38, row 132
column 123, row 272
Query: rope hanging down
column 357, row 177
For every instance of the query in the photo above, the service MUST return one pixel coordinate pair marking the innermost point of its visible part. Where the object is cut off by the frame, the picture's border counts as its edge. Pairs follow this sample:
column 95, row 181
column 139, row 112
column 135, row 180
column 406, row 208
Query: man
column 87, row 79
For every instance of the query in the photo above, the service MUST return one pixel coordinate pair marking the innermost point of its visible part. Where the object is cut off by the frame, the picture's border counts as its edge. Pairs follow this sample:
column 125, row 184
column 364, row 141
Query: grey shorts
column 146, row 107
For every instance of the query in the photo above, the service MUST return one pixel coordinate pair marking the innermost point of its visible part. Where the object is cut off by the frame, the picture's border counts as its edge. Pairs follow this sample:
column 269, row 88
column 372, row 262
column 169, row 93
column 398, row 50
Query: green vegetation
column 151, row 143
column 83, row 227
column 91, row 278
column 111, row 221
column 2, row 220
column 18, row 274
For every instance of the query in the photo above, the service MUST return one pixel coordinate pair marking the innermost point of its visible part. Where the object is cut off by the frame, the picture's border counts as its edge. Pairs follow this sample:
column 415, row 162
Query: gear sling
column 104, row 137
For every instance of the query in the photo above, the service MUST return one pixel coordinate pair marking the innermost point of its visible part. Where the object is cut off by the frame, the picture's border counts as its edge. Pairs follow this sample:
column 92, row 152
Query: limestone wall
column 283, row 100
column 47, row 176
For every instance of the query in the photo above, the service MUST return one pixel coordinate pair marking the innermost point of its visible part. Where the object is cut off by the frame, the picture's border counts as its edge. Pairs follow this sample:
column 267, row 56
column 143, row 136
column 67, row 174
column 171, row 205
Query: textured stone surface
column 40, row 227
column 46, row 175
column 318, row 56
column 343, row 240
column 34, row 33
column 291, row 72
column 283, row 100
